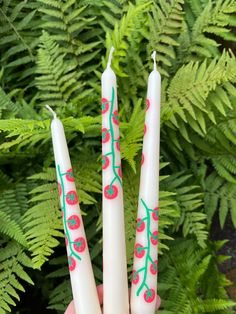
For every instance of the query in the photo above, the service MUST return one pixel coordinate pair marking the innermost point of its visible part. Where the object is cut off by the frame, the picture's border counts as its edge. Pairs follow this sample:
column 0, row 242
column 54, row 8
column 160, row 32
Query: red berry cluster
column 143, row 225
column 73, row 222
column 111, row 191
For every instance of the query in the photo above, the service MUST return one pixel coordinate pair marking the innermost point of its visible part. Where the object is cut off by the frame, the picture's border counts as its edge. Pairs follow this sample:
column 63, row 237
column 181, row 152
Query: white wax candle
column 81, row 274
column 145, row 266
column 115, row 285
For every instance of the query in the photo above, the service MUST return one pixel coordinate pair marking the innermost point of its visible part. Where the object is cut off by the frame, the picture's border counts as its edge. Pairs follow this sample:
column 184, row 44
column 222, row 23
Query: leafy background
column 53, row 52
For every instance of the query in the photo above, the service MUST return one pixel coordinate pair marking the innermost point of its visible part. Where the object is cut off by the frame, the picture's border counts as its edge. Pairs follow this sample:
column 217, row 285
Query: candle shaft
column 81, row 273
column 115, row 283
column 145, row 266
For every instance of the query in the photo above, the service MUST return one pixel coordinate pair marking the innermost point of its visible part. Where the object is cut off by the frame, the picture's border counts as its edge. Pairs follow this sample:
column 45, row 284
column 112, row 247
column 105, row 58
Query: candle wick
column 52, row 112
column 110, row 57
column 154, row 60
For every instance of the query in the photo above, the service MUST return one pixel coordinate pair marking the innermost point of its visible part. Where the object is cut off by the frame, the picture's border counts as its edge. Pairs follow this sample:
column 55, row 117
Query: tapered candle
column 81, row 273
column 145, row 265
column 115, row 285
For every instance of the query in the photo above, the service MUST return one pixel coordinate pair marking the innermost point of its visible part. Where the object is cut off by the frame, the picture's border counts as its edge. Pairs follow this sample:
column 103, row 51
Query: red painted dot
column 66, row 240
column 79, row 244
column 105, row 105
column 135, row 277
column 110, row 192
column 142, row 160
column 154, row 267
column 105, row 135
column 72, row 263
column 73, row 222
column 145, row 129
column 105, row 162
column 149, row 295
column 148, row 104
column 59, row 188
column 72, row 198
column 115, row 117
column 70, row 176
column 139, row 251
column 155, row 214
column 118, row 145
column 154, row 238
column 140, row 225
column 120, row 172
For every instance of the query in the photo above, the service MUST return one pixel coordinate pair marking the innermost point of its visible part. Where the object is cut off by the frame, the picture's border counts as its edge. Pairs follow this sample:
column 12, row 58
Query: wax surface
column 145, row 267
column 81, row 273
column 114, row 252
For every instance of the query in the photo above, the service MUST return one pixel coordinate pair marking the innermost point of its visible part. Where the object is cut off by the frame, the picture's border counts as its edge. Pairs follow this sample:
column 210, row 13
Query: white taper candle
column 81, row 274
column 145, row 266
column 115, row 285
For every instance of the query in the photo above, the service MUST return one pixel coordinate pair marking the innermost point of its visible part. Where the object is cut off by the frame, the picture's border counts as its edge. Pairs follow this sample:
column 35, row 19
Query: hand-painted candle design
column 145, row 267
column 115, row 300
column 81, row 273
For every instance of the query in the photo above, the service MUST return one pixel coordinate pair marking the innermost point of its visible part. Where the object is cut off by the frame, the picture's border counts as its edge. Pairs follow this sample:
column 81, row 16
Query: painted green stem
column 145, row 268
column 113, row 137
column 64, row 213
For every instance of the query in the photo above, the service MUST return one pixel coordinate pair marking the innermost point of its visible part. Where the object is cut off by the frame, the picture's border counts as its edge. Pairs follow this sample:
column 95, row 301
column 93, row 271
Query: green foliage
column 185, row 274
column 54, row 52
column 220, row 195
column 12, row 274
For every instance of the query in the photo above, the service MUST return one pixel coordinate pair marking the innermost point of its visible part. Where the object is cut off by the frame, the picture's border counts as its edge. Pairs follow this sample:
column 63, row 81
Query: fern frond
column 190, row 201
column 13, row 260
column 42, row 222
column 131, row 141
column 165, row 23
column 13, row 203
column 123, row 30
column 220, row 195
column 58, row 82
column 183, row 271
column 29, row 133
column 188, row 99
column 17, row 41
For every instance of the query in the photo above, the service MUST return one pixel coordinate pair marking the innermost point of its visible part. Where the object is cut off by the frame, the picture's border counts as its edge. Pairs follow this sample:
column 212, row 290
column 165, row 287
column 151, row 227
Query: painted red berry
column 60, row 189
column 70, row 176
column 145, row 129
column 155, row 214
column 142, row 160
column 118, row 144
column 115, row 117
column 120, row 172
column 105, row 135
column 66, row 240
column 73, row 222
column 139, row 251
column 154, row 238
column 72, row 263
column 110, row 192
column 149, row 295
column 105, row 162
column 79, row 244
column 140, row 225
column 154, row 267
column 135, row 277
column 72, row 198
column 148, row 104
column 105, row 105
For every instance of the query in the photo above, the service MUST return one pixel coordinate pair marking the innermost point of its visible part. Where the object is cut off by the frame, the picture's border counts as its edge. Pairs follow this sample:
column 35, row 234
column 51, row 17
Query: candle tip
column 52, row 112
column 154, row 59
column 110, row 56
